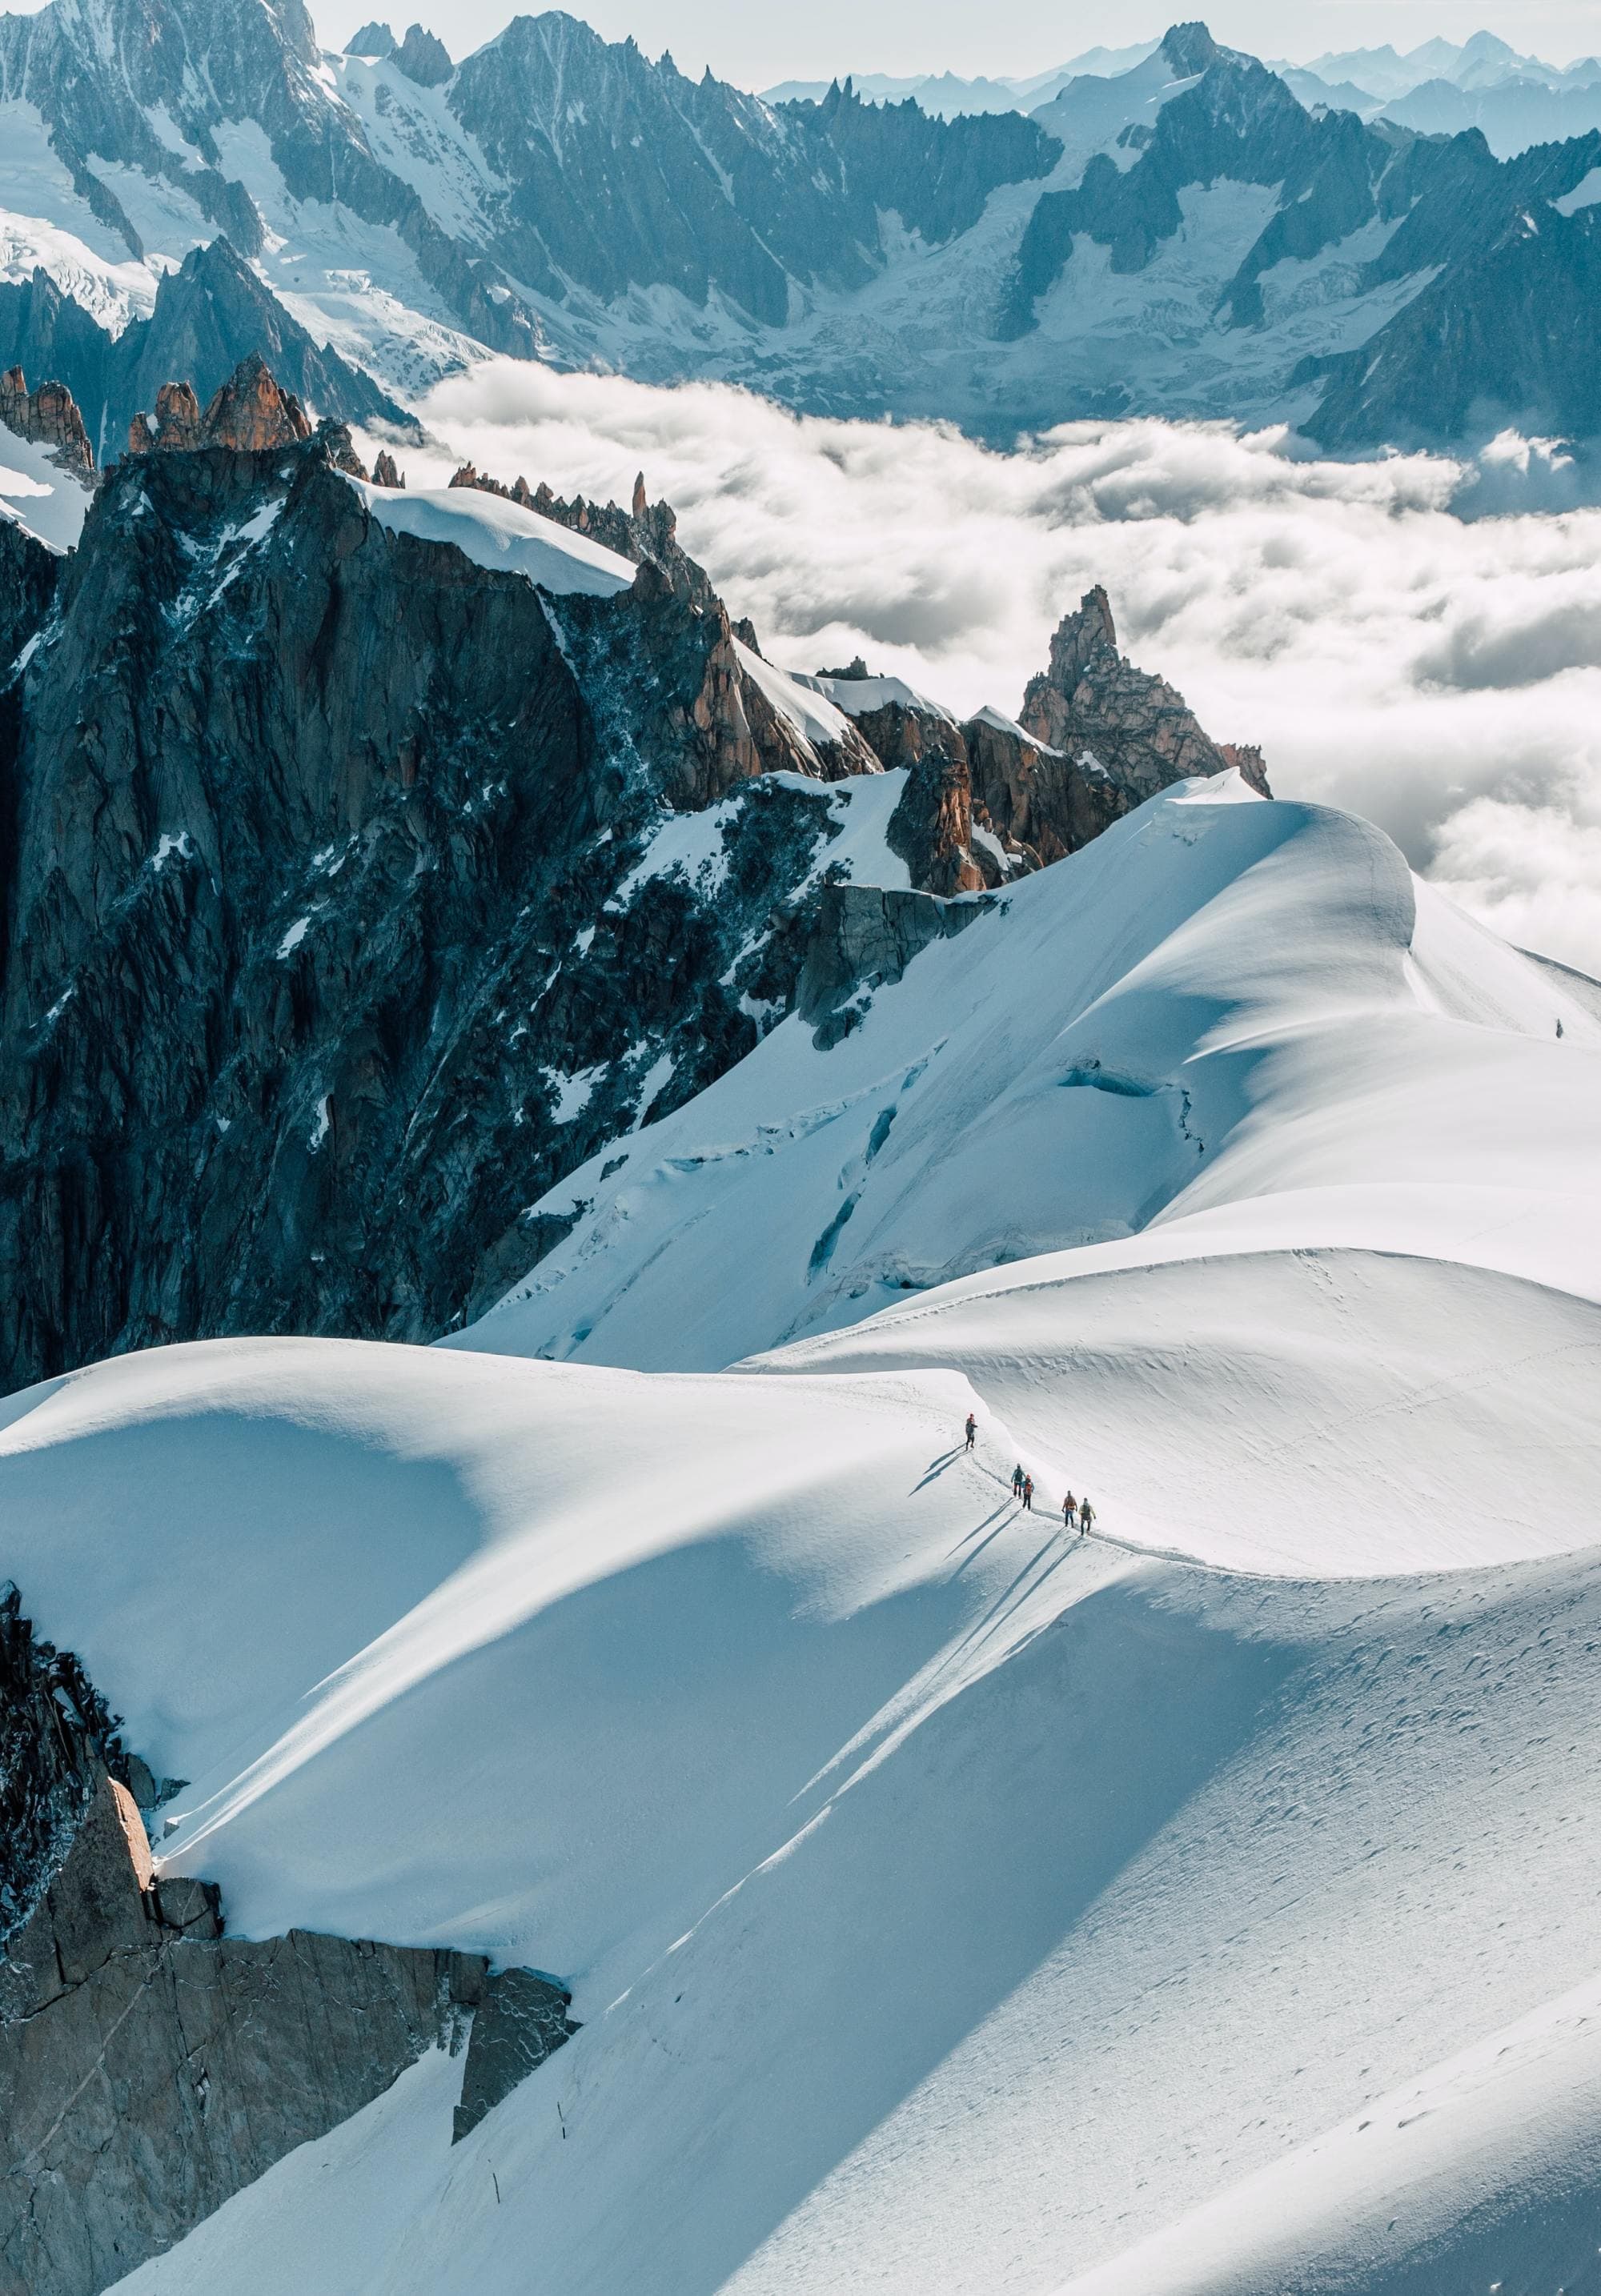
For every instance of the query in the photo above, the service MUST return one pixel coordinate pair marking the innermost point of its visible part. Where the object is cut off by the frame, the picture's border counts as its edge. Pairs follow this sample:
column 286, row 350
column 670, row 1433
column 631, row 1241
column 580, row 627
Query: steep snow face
column 501, row 534
column 1226, row 1025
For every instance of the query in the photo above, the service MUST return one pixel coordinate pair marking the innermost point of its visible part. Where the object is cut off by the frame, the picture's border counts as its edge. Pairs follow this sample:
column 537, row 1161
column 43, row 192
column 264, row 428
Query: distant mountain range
column 1439, row 88
column 183, row 181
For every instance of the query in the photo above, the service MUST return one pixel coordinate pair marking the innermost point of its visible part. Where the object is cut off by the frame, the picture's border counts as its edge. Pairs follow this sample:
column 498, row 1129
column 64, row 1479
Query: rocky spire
column 249, row 414
column 385, row 472
column 49, row 417
column 1101, row 712
column 1079, row 638
column 423, row 58
column 640, row 503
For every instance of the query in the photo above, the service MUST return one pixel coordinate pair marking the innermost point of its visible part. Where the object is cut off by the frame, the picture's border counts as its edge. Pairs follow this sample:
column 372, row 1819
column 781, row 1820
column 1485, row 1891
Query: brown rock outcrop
column 385, row 472
column 249, row 414
column 48, row 417
column 1097, row 710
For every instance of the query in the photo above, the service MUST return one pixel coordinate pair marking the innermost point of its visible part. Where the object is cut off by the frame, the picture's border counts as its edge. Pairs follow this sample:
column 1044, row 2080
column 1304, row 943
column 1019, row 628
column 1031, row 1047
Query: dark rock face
column 28, row 578
column 624, row 172
column 321, row 957
column 48, row 416
column 862, row 937
column 1239, row 120
column 373, row 40
column 1506, row 331
column 151, row 2066
column 520, row 2021
column 332, row 927
column 1510, row 333
column 423, row 58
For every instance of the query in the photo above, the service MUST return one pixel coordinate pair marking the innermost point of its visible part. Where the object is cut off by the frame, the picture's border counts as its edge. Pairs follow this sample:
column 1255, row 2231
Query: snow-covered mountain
column 663, row 1790
column 1181, row 237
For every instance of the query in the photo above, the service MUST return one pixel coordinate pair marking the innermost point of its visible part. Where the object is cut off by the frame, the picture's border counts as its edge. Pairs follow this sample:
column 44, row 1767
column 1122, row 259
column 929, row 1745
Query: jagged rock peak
column 374, row 39
column 250, row 413
column 1190, row 49
column 423, row 58
column 1096, row 708
column 647, row 533
column 49, row 417
column 384, row 471
column 1079, row 636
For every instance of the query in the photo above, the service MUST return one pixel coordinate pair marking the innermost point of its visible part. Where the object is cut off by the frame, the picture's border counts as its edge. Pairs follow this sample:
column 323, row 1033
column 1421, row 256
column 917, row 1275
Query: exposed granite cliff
column 989, row 797
column 152, row 2065
column 49, row 417
column 1110, row 736
column 323, row 956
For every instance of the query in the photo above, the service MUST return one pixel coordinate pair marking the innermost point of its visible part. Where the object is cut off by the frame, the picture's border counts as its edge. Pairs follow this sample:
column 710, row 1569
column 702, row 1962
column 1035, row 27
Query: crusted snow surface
column 1203, row 1906
column 802, row 700
column 501, row 536
column 857, row 696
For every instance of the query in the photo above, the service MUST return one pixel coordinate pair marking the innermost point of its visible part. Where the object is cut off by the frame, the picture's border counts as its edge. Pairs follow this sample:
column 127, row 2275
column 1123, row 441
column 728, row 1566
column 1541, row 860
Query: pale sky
column 755, row 43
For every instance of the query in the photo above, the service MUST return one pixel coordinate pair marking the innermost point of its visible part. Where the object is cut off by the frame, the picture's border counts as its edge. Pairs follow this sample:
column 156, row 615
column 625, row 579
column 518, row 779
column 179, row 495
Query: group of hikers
column 1077, row 1515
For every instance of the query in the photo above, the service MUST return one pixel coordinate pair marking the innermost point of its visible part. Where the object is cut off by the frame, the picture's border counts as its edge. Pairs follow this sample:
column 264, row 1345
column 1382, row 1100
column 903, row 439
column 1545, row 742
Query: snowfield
column 1201, row 1908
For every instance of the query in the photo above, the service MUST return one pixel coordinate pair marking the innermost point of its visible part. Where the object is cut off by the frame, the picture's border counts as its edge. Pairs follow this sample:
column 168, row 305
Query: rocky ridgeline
column 332, row 932
column 48, row 417
column 152, row 2065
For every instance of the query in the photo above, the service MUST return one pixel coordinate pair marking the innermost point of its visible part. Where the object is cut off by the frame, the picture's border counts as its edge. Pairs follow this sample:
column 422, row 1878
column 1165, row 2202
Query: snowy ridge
column 814, row 714
column 1248, row 1836
column 502, row 535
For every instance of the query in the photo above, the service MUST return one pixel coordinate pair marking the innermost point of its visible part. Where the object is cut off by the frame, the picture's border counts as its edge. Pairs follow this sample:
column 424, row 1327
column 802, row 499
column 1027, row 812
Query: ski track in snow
column 1201, row 1907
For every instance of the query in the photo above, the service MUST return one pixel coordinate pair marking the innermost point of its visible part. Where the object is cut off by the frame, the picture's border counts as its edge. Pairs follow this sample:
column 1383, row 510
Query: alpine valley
column 799, row 1490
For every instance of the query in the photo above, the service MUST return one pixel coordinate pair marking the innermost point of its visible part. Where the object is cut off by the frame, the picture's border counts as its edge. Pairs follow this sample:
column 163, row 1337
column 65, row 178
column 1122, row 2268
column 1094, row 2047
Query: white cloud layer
column 1418, row 639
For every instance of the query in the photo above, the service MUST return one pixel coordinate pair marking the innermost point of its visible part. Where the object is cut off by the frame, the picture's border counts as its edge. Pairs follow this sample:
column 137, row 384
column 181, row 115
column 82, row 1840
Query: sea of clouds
column 1416, row 638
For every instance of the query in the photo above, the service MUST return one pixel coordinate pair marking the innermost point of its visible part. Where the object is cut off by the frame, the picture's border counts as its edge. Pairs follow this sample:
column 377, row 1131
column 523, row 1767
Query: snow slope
column 502, row 535
column 947, row 1904
column 1227, row 1025
column 1205, row 1905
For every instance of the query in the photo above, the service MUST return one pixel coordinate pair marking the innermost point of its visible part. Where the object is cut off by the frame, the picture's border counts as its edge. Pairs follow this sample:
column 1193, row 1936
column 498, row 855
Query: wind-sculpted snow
column 503, row 536
column 1226, row 1025
column 949, row 1900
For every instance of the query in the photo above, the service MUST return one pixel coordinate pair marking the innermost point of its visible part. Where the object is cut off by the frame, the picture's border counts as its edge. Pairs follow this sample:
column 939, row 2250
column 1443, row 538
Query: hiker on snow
column 1087, row 1515
column 1070, row 1508
column 1028, row 1494
column 972, row 1428
column 1017, row 1482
